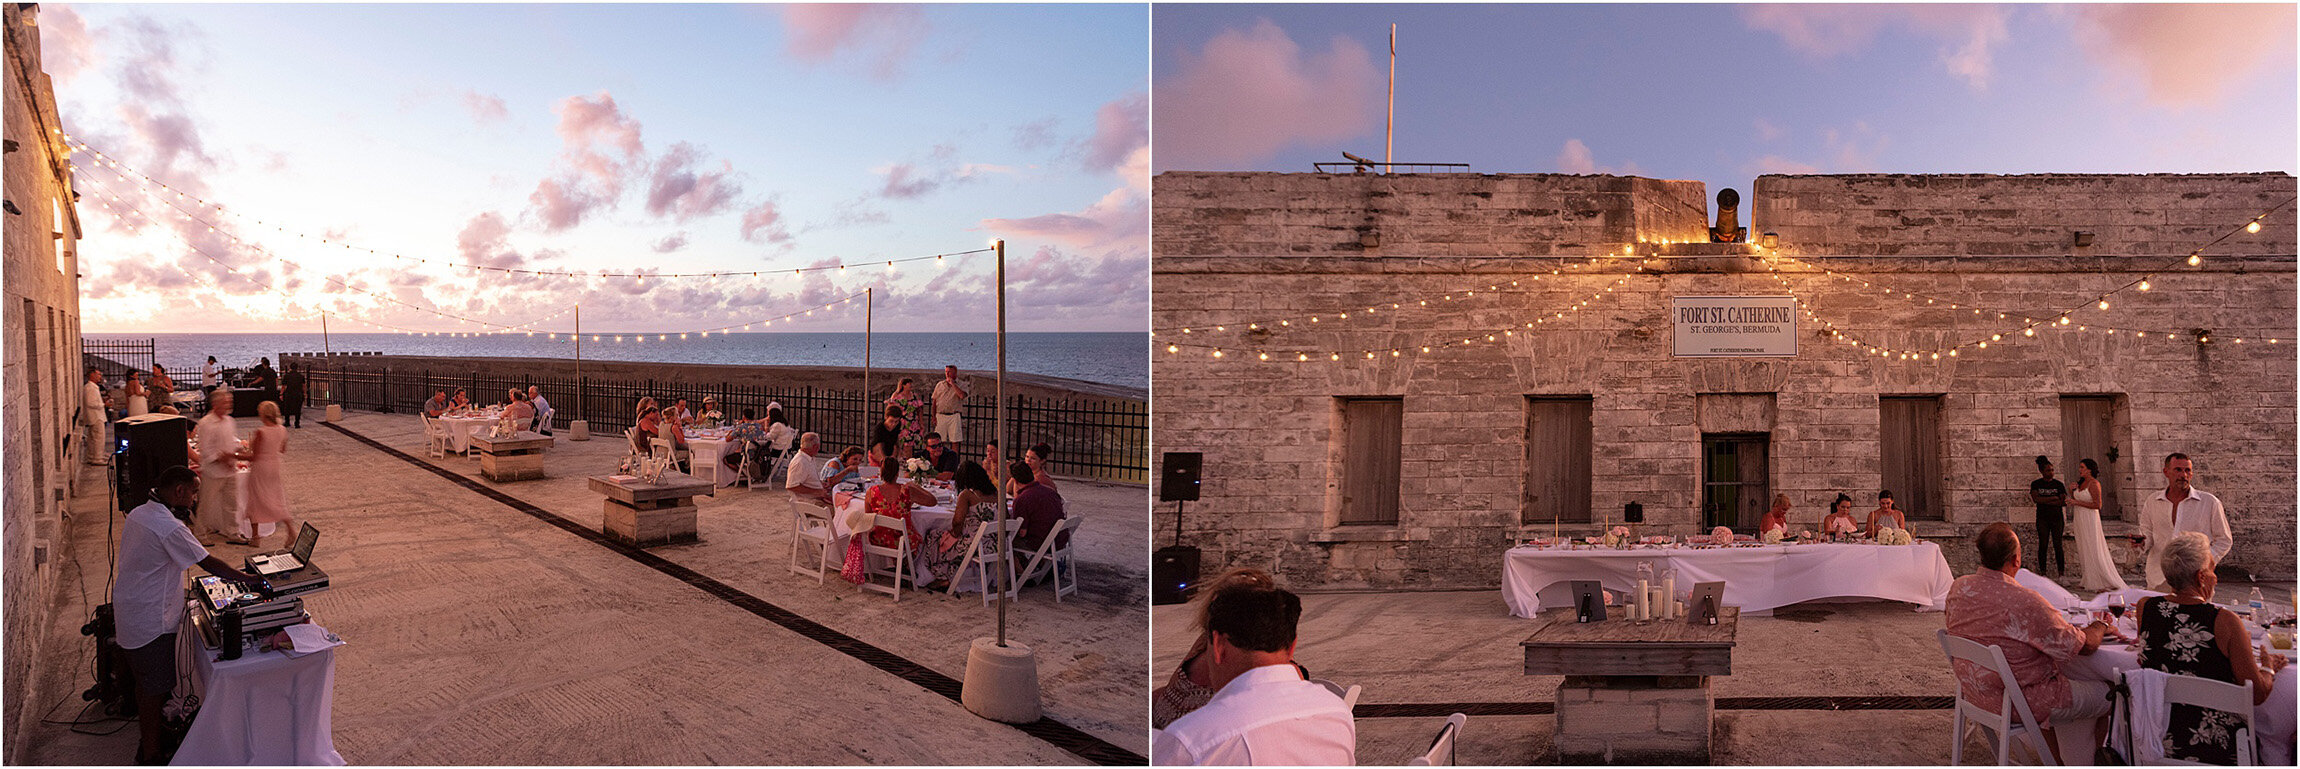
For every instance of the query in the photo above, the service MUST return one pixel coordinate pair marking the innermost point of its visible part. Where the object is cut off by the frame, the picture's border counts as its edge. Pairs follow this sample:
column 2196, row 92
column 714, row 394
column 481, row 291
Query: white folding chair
column 662, row 448
column 543, row 421
column 982, row 554
column 1442, row 749
column 811, row 527
column 743, row 466
column 1970, row 715
column 436, row 433
column 891, row 562
column 2203, row 693
column 1349, row 696
column 1052, row 558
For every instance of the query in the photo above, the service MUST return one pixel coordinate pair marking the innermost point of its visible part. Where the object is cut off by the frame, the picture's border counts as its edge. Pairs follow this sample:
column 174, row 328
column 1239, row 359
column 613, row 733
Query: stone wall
column 39, row 374
column 1269, row 429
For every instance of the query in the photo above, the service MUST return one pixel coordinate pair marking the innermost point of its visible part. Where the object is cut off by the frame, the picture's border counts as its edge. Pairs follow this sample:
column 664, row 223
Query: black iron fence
column 117, row 357
column 1105, row 439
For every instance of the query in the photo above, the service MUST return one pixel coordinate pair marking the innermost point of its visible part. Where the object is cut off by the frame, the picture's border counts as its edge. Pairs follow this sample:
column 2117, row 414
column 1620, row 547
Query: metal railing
column 1102, row 439
column 1391, row 168
column 117, row 357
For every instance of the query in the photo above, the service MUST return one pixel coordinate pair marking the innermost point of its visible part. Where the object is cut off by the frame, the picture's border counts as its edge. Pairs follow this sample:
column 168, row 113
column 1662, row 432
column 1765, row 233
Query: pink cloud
column 670, row 243
column 67, row 47
column 681, row 193
column 561, row 204
column 1251, row 93
column 485, row 242
column 588, row 178
column 1120, row 127
column 1119, row 219
column 886, row 35
column 2184, row 55
column 1970, row 32
column 1575, row 158
column 903, row 180
column 764, row 223
column 486, row 108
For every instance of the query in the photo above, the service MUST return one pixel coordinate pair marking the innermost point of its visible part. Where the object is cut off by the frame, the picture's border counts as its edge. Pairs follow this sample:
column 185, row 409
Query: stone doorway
column 1735, row 491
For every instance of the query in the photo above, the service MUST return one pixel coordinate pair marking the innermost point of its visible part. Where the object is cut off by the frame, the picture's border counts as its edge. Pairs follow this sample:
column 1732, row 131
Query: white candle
column 1669, row 596
column 1644, row 599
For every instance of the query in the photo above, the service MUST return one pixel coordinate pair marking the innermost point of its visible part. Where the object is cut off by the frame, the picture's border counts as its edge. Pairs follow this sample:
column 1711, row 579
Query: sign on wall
column 1734, row 326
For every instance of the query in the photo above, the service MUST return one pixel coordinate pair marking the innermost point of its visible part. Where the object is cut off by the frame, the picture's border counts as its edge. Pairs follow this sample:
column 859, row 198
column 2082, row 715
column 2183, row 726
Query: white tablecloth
column 1756, row 578
column 930, row 521
column 263, row 709
column 705, row 454
column 460, row 430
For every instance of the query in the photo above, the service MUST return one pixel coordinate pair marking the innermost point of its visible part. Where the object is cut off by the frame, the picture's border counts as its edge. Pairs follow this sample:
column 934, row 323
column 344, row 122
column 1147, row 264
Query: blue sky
column 1723, row 93
column 594, row 137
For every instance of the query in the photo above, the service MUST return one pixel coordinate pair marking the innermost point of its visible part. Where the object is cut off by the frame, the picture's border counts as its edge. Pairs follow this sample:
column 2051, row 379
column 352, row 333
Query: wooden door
column 1735, row 490
column 2084, row 434
column 1557, row 460
column 1909, row 454
column 1371, row 433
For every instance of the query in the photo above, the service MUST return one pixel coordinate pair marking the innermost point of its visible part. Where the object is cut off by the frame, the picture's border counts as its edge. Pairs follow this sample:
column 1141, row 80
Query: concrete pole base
column 1001, row 682
column 578, row 429
column 334, row 412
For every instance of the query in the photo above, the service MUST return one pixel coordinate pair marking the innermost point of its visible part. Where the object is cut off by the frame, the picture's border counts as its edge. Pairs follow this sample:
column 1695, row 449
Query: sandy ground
column 479, row 634
column 1462, row 647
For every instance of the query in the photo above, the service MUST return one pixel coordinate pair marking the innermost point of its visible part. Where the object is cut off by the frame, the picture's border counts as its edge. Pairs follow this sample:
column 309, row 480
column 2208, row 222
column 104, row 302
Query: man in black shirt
column 2049, row 495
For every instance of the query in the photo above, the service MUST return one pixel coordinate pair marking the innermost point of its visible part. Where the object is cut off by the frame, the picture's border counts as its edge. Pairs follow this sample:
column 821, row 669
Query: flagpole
column 1390, row 129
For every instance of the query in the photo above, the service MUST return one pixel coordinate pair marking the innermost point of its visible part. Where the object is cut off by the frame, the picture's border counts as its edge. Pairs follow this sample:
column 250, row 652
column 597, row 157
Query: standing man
column 92, row 419
column 148, row 595
column 220, row 456
column 542, row 410
column 292, row 396
column 2050, row 496
column 1262, row 712
column 210, row 376
column 949, row 404
column 2182, row 507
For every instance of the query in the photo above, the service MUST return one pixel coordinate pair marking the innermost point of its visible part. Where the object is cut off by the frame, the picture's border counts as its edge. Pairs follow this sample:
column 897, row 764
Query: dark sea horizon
column 1117, row 358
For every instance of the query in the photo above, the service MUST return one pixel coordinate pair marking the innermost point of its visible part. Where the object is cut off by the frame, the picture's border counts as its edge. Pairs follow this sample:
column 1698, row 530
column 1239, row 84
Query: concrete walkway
column 480, row 634
column 1452, row 649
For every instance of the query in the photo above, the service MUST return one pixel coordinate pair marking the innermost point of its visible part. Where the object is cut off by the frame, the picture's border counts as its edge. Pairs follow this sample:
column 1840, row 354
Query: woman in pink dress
column 267, row 490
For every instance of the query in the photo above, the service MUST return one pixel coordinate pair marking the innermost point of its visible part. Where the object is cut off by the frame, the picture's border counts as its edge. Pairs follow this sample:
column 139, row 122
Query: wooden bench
column 1634, row 692
column 517, row 458
column 649, row 514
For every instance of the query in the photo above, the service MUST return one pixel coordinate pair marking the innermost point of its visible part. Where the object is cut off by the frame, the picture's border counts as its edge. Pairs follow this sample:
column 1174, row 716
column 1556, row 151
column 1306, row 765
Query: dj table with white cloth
column 263, row 709
column 1756, row 578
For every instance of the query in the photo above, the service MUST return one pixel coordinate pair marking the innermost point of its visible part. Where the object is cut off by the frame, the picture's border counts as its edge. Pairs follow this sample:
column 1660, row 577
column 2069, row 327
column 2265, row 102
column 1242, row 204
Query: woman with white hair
column 2185, row 634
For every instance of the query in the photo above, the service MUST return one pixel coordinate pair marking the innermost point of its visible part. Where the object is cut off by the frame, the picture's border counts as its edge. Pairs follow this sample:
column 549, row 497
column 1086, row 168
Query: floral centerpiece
column 1616, row 536
column 916, row 467
column 1722, row 535
column 711, row 418
column 1894, row 537
column 1773, row 535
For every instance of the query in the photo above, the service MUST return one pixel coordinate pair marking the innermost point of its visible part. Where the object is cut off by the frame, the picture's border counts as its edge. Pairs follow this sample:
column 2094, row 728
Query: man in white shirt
column 210, row 375
column 543, row 413
column 1262, row 713
column 804, row 476
column 220, row 454
column 92, row 419
column 949, row 404
column 148, row 595
column 2182, row 507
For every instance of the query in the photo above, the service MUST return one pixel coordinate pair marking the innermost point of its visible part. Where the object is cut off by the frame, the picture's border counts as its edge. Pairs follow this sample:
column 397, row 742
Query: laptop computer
column 292, row 559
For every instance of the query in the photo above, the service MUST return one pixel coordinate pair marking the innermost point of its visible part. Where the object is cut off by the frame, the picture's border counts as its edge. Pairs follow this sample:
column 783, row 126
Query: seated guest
column 2040, row 647
column 940, row 457
column 1776, row 518
column 2185, row 634
column 1192, row 683
column 520, row 408
column 847, row 466
column 542, row 410
column 652, row 425
column 976, row 504
column 885, row 436
column 679, row 414
column 779, row 433
column 804, row 479
column 1840, row 517
column 462, row 400
column 437, row 405
column 1885, row 516
column 1039, row 508
column 1036, row 457
column 994, row 461
column 148, row 595
column 1262, row 712
column 893, row 500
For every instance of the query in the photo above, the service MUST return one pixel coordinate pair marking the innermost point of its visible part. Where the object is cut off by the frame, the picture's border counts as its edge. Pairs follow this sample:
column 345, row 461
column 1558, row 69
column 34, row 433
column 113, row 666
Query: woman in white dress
column 139, row 403
column 2092, row 558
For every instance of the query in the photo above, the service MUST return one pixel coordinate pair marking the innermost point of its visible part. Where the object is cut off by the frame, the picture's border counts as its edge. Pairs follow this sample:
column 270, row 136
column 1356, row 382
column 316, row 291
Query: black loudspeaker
column 1173, row 572
column 1179, row 481
column 145, row 445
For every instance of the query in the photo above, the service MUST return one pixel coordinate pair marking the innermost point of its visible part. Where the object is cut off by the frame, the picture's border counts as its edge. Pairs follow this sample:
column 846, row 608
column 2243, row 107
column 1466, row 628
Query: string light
column 1424, row 300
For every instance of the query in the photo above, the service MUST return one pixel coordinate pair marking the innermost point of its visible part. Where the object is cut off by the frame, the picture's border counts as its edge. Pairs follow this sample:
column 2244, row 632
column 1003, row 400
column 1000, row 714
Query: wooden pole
column 323, row 343
column 1390, row 126
column 870, row 416
column 1005, row 544
column 579, row 362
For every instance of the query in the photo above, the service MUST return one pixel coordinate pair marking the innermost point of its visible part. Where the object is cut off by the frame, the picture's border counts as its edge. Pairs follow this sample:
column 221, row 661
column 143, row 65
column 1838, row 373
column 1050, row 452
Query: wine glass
column 2116, row 606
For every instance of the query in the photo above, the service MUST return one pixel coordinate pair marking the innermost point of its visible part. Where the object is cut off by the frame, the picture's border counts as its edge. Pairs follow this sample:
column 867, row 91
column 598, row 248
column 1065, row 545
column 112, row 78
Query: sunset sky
column 1723, row 93
column 600, row 137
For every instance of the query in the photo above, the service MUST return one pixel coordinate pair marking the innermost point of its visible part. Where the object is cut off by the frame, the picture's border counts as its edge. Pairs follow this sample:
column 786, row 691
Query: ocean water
column 1110, row 358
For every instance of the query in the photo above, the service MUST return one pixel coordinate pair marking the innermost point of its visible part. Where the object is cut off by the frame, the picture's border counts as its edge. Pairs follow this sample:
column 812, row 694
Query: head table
column 1757, row 578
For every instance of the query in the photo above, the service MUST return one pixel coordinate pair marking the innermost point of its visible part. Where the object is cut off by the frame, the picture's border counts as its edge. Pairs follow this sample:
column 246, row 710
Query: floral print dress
column 914, row 423
column 2178, row 639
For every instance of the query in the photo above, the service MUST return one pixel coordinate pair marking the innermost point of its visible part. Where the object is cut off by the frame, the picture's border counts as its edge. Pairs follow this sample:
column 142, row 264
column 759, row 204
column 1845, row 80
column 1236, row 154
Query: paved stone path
column 480, row 634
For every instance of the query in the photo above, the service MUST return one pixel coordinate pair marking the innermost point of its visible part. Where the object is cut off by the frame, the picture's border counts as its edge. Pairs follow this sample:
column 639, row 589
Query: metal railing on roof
column 1392, row 168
